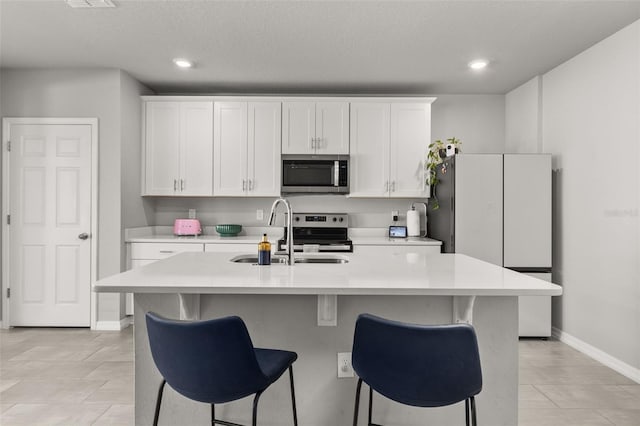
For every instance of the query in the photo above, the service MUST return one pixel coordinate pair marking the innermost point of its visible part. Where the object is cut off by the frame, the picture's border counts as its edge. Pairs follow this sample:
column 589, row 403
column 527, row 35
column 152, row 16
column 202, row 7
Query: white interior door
column 50, row 224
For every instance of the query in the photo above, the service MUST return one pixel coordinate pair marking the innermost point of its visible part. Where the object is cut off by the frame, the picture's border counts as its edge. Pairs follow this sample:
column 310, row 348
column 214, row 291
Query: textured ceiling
column 395, row 47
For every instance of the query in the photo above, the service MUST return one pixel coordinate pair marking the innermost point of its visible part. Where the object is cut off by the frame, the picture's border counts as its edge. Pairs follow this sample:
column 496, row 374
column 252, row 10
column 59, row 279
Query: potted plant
column 438, row 151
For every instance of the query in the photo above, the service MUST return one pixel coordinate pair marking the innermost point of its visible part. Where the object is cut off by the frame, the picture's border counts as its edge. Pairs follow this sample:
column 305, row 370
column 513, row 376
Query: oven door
column 314, row 174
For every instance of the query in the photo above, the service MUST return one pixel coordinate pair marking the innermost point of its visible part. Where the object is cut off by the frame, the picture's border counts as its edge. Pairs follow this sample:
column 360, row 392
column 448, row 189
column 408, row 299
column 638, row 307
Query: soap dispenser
column 264, row 251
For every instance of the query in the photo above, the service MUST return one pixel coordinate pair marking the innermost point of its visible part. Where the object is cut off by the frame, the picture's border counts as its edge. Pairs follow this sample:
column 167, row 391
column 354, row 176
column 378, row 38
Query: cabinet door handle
column 166, row 251
column 386, row 186
column 250, row 185
column 181, row 184
column 175, row 185
column 244, row 185
column 393, row 186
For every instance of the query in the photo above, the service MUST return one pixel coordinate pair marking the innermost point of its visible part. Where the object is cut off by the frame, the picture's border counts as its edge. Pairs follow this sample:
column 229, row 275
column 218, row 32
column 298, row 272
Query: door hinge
column 8, row 293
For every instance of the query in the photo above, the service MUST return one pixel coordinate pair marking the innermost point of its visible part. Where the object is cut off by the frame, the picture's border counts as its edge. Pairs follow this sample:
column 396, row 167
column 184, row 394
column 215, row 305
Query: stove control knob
column 297, row 219
column 335, row 219
column 341, row 219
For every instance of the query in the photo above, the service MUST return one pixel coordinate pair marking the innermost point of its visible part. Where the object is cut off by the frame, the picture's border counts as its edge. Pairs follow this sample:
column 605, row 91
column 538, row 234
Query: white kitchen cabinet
column 246, row 142
column 410, row 138
column 370, row 135
column 233, row 247
column 178, row 148
column 389, row 141
column 315, row 127
column 157, row 251
column 141, row 254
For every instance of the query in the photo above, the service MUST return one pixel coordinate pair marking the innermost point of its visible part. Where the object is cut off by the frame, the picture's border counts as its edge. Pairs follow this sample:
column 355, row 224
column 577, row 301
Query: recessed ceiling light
column 478, row 64
column 183, row 63
column 90, row 3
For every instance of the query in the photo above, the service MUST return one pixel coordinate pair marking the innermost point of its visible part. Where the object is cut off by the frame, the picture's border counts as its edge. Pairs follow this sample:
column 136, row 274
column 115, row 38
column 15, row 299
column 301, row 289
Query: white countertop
column 386, row 241
column 366, row 274
column 359, row 236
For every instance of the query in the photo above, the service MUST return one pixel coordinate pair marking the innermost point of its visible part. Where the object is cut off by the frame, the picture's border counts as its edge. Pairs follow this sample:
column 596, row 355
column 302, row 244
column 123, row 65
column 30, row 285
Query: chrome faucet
column 289, row 224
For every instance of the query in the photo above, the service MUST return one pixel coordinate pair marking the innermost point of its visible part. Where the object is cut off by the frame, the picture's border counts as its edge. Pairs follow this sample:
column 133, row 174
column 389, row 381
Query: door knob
column 83, row 236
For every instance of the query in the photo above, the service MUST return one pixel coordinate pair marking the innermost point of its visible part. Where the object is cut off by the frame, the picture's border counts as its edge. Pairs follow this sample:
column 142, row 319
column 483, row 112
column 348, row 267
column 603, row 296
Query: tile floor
column 80, row 377
column 561, row 386
column 57, row 376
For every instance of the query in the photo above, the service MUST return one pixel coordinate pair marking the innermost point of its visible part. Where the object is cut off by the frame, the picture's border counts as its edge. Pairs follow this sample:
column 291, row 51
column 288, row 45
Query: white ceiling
column 399, row 47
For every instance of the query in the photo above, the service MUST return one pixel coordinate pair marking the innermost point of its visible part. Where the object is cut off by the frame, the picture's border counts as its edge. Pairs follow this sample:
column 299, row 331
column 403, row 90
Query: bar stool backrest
column 210, row 361
column 418, row 365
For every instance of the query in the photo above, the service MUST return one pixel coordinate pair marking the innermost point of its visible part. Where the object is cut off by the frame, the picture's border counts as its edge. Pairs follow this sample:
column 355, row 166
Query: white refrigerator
column 497, row 208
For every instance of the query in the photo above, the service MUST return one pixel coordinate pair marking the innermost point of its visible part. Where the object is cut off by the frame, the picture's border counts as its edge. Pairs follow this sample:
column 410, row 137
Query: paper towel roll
column 413, row 223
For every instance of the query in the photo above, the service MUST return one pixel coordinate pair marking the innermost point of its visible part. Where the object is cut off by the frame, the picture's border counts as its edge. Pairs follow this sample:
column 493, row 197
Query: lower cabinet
column 141, row 254
column 233, row 247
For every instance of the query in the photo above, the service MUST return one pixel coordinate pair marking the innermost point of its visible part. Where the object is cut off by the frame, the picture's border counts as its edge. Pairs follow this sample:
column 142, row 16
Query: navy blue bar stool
column 214, row 361
column 418, row 365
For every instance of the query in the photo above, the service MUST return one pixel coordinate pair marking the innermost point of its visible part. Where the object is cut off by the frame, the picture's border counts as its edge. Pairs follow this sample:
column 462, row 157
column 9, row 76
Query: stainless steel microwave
column 317, row 174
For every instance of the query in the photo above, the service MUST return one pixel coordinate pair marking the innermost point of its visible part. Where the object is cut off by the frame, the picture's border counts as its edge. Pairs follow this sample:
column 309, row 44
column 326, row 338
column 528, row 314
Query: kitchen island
column 311, row 308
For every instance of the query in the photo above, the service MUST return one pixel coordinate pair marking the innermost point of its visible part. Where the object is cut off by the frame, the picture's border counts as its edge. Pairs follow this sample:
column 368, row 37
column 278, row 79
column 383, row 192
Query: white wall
column 88, row 93
column 136, row 210
column 523, row 120
column 477, row 120
column 591, row 124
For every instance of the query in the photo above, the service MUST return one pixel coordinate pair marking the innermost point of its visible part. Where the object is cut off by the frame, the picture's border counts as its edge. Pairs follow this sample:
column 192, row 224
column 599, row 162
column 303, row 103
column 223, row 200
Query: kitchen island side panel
column 289, row 322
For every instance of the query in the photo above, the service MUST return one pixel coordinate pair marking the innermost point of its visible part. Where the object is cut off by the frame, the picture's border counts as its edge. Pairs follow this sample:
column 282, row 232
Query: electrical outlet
column 259, row 214
column 345, row 369
column 192, row 213
column 394, row 215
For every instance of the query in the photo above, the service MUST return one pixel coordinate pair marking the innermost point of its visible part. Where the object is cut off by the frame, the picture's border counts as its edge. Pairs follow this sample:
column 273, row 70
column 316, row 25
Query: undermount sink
column 282, row 260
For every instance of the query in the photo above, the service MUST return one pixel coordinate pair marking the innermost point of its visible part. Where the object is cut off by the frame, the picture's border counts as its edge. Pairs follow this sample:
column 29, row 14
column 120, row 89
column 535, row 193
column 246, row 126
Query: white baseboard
column 113, row 325
column 597, row 354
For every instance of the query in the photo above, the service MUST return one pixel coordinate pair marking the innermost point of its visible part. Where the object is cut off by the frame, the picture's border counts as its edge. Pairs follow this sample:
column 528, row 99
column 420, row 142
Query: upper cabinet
column 389, row 142
column 247, row 139
column 178, row 148
column 315, row 127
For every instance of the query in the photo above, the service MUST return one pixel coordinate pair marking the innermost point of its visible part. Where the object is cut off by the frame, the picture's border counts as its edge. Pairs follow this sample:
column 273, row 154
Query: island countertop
column 364, row 274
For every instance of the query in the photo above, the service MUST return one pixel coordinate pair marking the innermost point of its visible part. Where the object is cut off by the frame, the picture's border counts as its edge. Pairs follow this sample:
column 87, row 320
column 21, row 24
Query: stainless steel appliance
column 497, row 208
column 315, row 174
column 325, row 232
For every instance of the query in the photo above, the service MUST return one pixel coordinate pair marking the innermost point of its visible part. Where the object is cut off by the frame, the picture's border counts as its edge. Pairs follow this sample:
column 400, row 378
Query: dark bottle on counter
column 264, row 251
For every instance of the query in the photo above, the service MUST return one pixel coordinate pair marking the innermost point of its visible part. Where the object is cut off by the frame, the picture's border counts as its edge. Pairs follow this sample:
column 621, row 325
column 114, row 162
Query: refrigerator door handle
column 452, row 223
column 530, row 269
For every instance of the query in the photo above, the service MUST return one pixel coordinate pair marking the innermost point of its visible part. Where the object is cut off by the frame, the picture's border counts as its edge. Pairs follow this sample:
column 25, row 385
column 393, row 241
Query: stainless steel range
column 326, row 232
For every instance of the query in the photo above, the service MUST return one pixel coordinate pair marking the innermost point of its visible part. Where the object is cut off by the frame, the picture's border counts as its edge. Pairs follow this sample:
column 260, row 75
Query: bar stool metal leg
column 370, row 404
column 158, row 402
column 473, row 411
column 355, row 413
column 255, row 408
column 293, row 397
column 466, row 411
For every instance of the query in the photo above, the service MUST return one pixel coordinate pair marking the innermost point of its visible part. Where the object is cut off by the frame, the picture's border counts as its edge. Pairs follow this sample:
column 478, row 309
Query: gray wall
column 112, row 97
column 523, row 121
column 590, row 123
